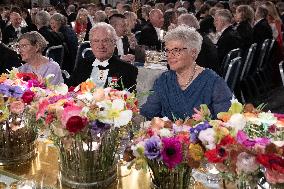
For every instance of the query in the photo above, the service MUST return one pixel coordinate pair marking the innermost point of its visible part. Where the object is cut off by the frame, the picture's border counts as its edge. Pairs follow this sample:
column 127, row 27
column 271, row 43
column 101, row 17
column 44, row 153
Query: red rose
column 71, row 89
column 75, row 124
column 28, row 96
column 26, row 76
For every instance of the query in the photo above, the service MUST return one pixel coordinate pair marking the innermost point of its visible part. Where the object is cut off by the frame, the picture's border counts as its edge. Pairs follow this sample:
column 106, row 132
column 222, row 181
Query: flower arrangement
column 18, row 91
column 169, row 150
column 244, row 144
column 85, row 124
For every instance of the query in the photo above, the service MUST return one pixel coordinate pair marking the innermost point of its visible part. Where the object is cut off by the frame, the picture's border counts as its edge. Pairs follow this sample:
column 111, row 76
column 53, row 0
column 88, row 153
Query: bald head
column 156, row 17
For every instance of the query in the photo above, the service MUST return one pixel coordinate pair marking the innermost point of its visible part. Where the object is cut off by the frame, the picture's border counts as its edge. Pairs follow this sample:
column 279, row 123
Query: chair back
column 248, row 62
column 281, row 71
column 268, row 53
column 56, row 53
column 79, row 58
column 262, row 54
column 232, row 74
column 230, row 56
column 138, row 36
column 87, row 52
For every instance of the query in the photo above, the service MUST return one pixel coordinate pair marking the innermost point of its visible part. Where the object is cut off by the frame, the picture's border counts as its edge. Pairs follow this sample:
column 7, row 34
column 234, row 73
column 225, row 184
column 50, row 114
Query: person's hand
column 128, row 58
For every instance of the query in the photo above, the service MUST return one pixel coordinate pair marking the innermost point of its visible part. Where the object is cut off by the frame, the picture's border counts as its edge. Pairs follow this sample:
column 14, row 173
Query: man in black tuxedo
column 71, row 11
column 13, row 31
column 229, row 38
column 118, row 22
column 261, row 29
column 8, row 59
column 151, row 32
column 106, row 68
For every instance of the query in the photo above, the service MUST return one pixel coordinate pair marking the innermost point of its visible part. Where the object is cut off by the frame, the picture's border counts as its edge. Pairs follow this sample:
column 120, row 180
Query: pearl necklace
column 190, row 78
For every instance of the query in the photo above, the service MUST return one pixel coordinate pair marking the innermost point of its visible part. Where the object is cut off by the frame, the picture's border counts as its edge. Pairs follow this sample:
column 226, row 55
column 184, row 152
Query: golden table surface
column 43, row 169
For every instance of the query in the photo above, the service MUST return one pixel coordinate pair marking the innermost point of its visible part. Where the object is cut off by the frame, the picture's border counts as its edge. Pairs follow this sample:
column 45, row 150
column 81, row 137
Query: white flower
column 164, row 132
column 86, row 96
column 207, row 137
column 267, row 118
column 278, row 143
column 85, row 111
column 138, row 149
column 237, row 121
column 114, row 113
column 61, row 89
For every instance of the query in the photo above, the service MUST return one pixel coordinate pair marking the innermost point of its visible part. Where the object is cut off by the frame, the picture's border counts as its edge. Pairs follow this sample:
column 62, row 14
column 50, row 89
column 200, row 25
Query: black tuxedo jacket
column 229, row 40
column 117, row 68
column 208, row 56
column 261, row 31
column 10, row 33
column 149, row 37
column 245, row 31
column 71, row 17
column 52, row 37
column 8, row 59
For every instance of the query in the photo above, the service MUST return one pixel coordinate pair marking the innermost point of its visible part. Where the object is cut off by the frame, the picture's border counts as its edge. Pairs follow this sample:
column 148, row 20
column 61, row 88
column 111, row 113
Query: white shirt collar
column 97, row 63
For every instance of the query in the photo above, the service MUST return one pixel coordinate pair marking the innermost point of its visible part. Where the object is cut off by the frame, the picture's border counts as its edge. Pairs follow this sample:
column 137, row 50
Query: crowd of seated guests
column 224, row 26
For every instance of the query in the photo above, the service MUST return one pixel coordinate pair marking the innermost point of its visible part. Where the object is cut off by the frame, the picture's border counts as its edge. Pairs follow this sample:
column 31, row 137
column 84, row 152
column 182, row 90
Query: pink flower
column 41, row 109
column 17, row 107
column 274, row 177
column 172, row 152
column 68, row 112
column 243, row 139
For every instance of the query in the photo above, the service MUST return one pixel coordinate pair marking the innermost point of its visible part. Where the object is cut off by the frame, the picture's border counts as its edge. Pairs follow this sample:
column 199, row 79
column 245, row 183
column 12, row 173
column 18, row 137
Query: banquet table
column 43, row 169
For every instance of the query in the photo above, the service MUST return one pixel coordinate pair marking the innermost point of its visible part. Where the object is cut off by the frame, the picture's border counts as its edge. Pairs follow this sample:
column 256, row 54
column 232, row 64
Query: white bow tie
column 99, row 63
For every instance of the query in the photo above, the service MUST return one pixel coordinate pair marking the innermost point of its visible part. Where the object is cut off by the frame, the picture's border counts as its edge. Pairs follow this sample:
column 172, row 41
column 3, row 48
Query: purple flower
column 243, row 139
column 153, row 147
column 172, row 152
column 99, row 127
column 11, row 91
column 194, row 132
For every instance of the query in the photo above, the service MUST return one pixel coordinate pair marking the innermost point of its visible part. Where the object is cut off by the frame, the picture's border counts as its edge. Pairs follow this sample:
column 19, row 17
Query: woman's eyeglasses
column 175, row 51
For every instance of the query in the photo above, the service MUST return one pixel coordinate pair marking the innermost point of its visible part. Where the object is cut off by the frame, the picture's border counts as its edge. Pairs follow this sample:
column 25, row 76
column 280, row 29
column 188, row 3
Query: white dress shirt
column 119, row 45
column 97, row 75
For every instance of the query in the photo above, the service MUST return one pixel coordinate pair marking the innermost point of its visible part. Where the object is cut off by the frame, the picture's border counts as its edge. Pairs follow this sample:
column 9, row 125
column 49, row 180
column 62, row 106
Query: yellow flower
column 4, row 113
column 221, row 132
column 196, row 152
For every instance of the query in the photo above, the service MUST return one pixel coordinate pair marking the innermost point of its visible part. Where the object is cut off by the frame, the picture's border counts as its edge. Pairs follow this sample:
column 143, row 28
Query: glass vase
column 245, row 184
column 164, row 178
column 90, row 162
column 17, row 141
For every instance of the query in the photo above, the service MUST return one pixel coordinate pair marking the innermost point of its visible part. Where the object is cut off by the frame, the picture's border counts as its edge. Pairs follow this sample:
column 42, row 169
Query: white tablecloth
column 145, row 81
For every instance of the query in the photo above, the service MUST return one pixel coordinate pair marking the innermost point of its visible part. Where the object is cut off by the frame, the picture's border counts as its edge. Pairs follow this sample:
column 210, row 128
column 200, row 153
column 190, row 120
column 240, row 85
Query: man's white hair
column 102, row 25
column 189, row 36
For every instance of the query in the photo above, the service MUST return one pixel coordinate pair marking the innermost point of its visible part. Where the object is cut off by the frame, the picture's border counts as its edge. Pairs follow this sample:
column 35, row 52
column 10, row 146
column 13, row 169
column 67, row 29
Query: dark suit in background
column 208, row 56
column 71, row 17
column 261, row 31
column 207, row 25
column 117, row 68
column 71, row 40
column 229, row 40
column 9, row 34
column 149, row 37
column 8, row 59
column 245, row 31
